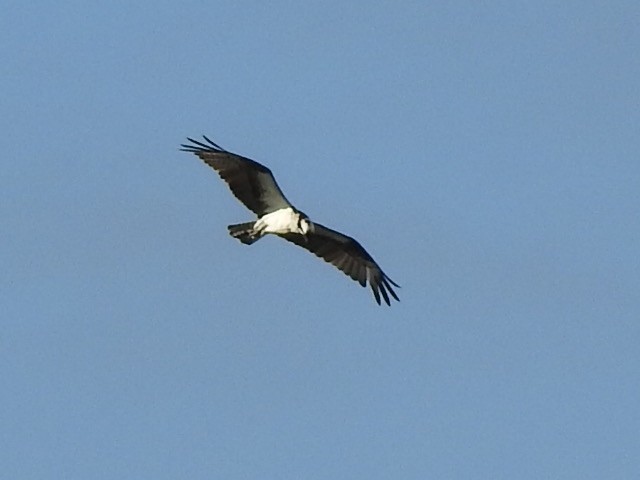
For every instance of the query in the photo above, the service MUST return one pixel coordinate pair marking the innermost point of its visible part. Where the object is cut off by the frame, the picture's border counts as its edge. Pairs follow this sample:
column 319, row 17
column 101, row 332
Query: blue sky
column 485, row 153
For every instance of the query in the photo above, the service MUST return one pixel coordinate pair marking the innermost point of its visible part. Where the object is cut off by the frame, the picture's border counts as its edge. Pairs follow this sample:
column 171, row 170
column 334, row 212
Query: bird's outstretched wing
column 252, row 183
column 348, row 255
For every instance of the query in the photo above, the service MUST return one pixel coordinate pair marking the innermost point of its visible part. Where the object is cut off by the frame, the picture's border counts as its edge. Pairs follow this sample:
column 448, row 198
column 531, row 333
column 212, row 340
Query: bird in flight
column 254, row 185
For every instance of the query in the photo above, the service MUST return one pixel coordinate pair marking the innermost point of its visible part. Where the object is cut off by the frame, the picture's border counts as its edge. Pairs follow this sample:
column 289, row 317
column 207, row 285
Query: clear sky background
column 487, row 154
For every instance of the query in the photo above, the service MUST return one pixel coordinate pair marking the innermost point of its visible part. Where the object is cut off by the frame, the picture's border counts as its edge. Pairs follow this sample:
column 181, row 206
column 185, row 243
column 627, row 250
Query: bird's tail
column 244, row 232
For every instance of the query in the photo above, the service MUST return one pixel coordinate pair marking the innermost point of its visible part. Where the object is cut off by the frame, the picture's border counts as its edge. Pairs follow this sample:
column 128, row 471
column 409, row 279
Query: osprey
column 254, row 185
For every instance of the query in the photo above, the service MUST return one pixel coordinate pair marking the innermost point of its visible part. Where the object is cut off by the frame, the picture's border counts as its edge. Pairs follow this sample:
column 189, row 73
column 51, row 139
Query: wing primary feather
column 196, row 147
column 351, row 268
column 343, row 263
column 393, row 294
column 374, row 287
column 214, row 144
column 391, row 281
column 362, row 275
column 199, row 146
column 199, row 143
column 383, row 291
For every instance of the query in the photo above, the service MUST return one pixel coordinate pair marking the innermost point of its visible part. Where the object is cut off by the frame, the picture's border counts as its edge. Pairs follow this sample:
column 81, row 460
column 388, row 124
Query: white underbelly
column 284, row 220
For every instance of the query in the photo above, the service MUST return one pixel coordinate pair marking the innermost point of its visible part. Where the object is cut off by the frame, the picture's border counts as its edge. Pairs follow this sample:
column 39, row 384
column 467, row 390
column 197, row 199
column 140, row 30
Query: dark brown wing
column 252, row 183
column 348, row 255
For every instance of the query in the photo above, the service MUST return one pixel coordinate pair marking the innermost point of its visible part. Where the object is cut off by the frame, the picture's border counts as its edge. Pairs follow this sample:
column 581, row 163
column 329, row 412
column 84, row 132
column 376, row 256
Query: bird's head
column 305, row 226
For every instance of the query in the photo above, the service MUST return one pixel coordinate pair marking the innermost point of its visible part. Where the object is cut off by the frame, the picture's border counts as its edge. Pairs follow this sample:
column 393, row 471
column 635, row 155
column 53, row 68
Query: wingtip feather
column 393, row 294
column 197, row 146
column 376, row 295
column 383, row 291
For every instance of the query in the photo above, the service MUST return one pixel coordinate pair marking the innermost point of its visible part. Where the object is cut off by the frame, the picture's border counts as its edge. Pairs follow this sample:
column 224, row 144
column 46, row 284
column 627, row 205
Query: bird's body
column 254, row 185
column 285, row 220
